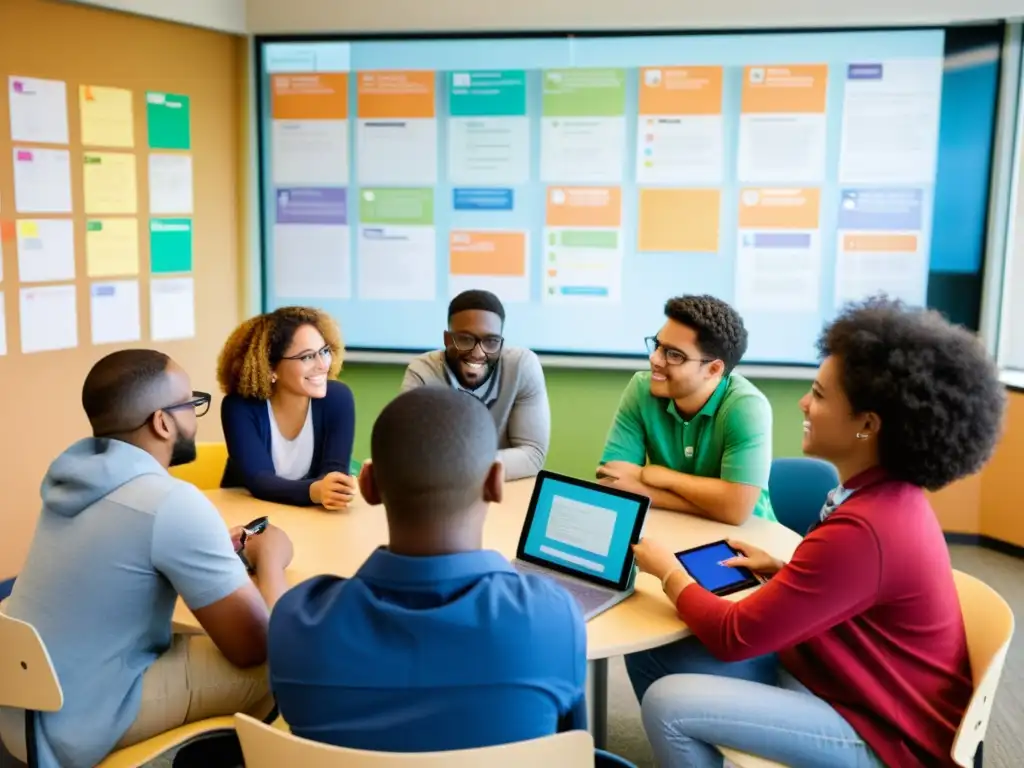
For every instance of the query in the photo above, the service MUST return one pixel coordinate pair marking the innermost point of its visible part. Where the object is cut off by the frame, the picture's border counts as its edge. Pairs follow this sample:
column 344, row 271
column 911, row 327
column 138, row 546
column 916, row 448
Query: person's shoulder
column 338, row 393
column 744, row 399
column 309, row 600
column 742, row 388
column 235, row 403
column 180, row 497
column 541, row 599
column 429, row 365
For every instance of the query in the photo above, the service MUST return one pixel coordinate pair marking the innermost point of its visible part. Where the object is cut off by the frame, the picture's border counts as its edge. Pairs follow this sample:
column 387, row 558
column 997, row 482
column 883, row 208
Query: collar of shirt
column 385, row 568
column 709, row 409
column 487, row 393
column 843, row 491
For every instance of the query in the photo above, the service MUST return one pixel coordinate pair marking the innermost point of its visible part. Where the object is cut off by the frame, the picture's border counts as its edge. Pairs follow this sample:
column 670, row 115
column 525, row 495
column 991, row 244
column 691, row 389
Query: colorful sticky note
column 107, row 119
column 110, row 182
column 168, row 121
column 111, row 247
column 170, row 245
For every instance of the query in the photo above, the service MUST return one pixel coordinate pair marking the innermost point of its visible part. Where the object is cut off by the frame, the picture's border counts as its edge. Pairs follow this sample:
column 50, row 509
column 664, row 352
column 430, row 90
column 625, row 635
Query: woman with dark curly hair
column 854, row 652
column 288, row 422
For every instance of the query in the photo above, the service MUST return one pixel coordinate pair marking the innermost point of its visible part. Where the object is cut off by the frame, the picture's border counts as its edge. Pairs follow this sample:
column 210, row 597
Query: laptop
column 581, row 534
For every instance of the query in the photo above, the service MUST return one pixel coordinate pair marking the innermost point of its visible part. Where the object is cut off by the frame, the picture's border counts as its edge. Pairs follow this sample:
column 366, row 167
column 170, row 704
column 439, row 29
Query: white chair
column 989, row 624
column 266, row 746
column 28, row 681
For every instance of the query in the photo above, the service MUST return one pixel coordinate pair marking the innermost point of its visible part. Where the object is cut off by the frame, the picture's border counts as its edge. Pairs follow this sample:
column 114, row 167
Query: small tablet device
column 704, row 564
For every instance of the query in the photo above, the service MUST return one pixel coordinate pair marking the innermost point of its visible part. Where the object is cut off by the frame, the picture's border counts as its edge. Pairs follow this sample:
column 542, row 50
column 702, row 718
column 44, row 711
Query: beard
column 183, row 451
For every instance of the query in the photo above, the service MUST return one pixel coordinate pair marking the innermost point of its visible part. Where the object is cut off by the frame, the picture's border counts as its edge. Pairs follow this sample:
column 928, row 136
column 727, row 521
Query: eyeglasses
column 466, row 342
column 200, row 401
column 672, row 356
column 307, row 358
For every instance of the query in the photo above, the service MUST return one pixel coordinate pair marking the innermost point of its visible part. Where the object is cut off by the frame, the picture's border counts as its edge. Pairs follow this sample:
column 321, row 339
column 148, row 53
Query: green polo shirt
column 729, row 438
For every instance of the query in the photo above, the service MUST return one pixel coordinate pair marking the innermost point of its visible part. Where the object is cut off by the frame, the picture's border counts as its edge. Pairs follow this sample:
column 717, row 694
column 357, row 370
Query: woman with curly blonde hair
column 288, row 422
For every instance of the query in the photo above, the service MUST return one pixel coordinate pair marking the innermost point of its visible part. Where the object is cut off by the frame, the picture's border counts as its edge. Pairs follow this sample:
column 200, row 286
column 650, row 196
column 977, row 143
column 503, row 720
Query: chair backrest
column 267, row 747
column 27, row 677
column 989, row 623
column 797, row 488
column 207, row 470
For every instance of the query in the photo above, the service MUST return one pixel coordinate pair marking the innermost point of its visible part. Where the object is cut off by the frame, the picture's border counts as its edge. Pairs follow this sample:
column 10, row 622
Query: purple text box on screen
column 864, row 72
column 777, row 239
column 312, row 205
column 884, row 210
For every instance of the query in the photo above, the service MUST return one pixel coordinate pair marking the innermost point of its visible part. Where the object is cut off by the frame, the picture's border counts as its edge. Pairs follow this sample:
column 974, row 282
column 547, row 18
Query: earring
column 273, row 379
column 862, row 435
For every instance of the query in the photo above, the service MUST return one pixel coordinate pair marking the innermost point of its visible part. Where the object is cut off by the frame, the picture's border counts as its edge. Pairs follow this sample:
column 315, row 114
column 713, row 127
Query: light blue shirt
column 419, row 654
column 117, row 541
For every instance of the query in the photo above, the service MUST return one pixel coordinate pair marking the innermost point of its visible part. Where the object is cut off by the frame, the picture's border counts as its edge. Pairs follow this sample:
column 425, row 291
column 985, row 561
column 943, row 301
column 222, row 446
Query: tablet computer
column 704, row 564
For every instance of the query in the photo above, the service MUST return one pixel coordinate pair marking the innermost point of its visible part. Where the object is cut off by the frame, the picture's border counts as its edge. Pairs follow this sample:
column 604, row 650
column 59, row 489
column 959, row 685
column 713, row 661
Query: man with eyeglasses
column 508, row 380
column 118, row 540
column 690, row 433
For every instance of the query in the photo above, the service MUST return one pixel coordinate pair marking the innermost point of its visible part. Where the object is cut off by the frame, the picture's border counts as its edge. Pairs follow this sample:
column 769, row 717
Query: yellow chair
column 989, row 624
column 206, row 471
column 28, row 681
column 265, row 746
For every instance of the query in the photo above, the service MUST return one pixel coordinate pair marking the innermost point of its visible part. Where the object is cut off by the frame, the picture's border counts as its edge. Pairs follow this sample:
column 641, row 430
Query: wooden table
column 339, row 542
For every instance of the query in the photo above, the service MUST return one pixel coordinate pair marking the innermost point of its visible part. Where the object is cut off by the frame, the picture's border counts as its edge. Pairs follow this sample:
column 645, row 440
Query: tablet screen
column 703, row 565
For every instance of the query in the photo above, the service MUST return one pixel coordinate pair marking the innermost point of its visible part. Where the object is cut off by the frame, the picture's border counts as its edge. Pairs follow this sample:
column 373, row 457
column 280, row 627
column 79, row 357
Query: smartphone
column 252, row 528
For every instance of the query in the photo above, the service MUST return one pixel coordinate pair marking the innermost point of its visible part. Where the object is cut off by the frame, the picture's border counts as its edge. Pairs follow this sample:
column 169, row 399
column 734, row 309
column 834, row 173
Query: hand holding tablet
column 706, row 564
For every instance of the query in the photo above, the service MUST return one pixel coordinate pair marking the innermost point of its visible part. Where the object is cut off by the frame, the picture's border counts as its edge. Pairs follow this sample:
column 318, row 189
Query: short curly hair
column 249, row 355
column 720, row 331
column 933, row 385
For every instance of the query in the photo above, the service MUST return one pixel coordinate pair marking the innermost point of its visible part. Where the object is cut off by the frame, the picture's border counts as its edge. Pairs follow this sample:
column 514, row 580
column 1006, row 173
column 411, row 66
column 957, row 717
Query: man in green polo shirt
column 690, row 433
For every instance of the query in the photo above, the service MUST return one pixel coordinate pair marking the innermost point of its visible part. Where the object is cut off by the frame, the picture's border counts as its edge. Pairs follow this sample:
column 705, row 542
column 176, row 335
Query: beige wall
column 277, row 16
column 40, row 409
column 223, row 15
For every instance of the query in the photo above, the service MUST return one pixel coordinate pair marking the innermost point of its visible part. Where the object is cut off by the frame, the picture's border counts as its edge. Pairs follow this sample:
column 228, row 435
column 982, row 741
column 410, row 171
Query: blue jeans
column 691, row 701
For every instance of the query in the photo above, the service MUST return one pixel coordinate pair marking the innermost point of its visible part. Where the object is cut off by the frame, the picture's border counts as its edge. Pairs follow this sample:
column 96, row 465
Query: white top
column 292, row 458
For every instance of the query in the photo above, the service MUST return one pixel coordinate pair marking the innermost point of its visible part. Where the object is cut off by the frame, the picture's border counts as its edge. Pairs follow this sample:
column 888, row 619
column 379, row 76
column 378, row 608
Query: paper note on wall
column 170, row 183
column 107, row 119
column 168, row 121
column 114, row 309
column 170, row 245
column 172, row 308
column 111, row 247
column 109, row 179
column 46, row 250
column 42, row 180
column 39, row 110
column 49, row 320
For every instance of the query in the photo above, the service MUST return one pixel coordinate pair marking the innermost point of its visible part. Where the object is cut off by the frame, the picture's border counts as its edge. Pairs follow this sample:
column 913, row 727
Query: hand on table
column 270, row 549
column 333, row 491
column 753, row 558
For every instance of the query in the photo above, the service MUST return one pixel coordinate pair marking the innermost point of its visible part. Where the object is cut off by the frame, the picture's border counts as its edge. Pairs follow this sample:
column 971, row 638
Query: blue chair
column 797, row 488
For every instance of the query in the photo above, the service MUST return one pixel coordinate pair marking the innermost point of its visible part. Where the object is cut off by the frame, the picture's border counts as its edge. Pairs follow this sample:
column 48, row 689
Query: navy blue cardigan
column 250, row 463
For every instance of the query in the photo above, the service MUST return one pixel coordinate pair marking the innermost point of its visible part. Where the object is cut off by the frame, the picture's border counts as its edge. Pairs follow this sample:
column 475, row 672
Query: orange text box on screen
column 395, row 94
column 584, row 207
column 681, row 91
column 785, row 89
column 487, row 253
column 679, row 220
column 320, row 96
column 880, row 243
column 779, row 208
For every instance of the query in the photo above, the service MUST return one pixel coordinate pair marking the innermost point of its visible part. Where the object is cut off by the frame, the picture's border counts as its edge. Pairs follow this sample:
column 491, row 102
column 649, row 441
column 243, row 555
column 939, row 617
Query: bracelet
column 667, row 576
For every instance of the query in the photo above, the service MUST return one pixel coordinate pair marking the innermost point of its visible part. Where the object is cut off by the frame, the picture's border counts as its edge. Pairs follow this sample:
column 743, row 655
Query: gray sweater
column 517, row 397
